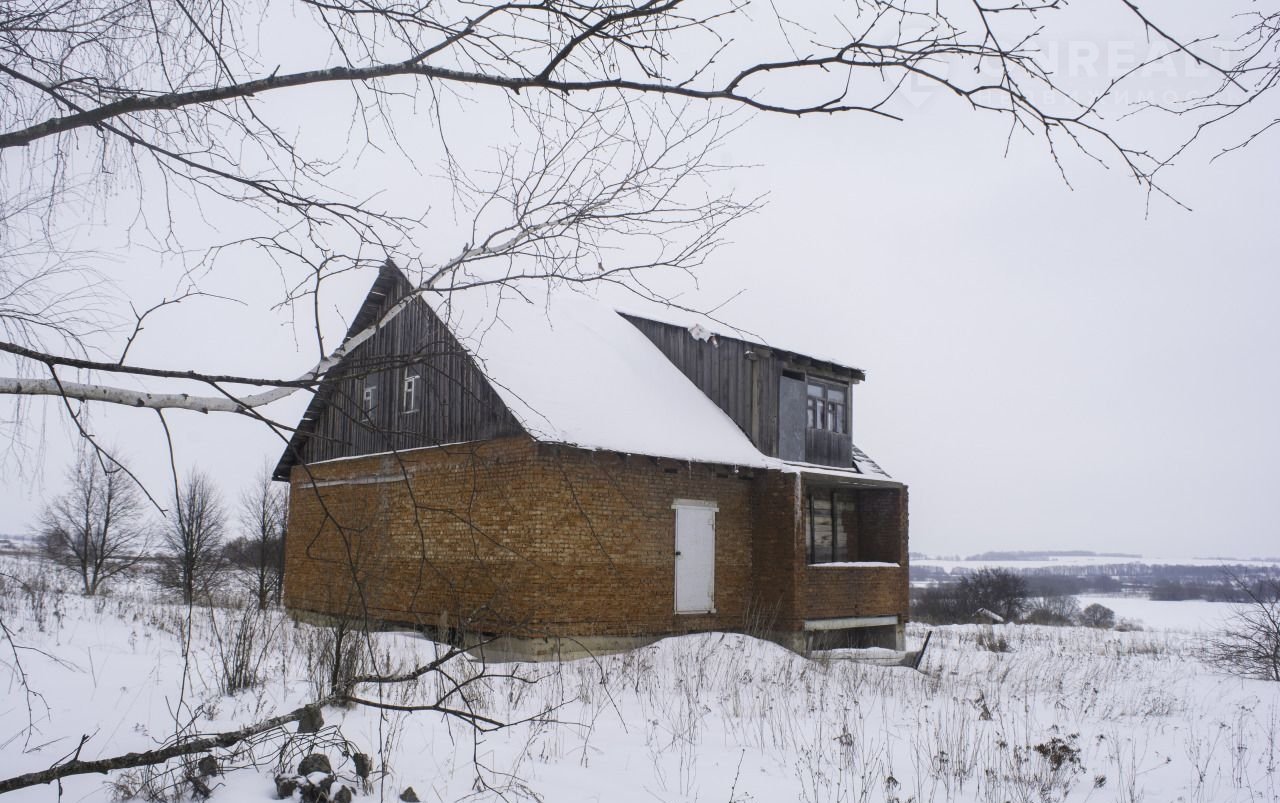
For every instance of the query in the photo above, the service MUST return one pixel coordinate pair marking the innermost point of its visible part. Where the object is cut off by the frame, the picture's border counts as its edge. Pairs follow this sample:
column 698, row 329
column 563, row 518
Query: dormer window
column 813, row 420
column 827, row 407
column 410, row 393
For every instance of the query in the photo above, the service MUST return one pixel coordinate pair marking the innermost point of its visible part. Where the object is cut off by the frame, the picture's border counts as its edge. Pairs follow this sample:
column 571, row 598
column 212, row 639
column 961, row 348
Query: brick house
column 568, row 477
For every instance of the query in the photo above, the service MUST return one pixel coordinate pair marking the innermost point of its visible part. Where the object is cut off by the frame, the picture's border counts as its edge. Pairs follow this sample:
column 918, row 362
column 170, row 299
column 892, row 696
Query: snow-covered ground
column 1192, row 615
column 1066, row 714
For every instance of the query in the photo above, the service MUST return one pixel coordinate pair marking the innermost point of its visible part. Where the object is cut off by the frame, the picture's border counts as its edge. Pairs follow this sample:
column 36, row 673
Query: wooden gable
column 362, row 406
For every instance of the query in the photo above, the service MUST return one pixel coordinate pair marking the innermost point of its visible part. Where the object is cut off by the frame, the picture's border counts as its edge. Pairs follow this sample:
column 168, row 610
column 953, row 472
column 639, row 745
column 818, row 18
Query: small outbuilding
column 557, row 476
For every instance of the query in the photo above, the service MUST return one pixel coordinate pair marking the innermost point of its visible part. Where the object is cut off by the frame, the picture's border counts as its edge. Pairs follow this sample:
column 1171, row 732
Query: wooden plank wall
column 455, row 402
column 721, row 369
column 828, row 448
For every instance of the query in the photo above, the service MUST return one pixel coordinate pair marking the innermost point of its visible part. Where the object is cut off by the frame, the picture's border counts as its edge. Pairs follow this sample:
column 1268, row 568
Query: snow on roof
column 573, row 371
column 864, row 473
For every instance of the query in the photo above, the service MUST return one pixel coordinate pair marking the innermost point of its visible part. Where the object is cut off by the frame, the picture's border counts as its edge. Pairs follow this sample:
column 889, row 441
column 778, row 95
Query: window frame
column 409, row 391
column 839, row 535
column 819, row 407
column 368, row 398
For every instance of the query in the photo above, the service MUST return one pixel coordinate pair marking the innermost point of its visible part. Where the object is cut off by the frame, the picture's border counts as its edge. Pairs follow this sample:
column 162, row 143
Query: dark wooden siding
column 744, row 380
column 719, row 368
column 455, row 403
column 827, row 448
column 768, row 379
column 734, row 374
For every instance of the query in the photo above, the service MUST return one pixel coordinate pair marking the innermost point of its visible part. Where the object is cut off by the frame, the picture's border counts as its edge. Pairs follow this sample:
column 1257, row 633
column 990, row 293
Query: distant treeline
column 1049, row 554
column 1157, row 581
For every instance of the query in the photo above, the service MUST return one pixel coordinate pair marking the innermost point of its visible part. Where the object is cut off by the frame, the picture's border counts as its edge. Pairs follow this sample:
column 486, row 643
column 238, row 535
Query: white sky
column 1048, row 366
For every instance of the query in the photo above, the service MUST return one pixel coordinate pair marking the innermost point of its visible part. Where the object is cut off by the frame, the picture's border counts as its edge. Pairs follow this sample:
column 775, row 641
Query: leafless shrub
column 28, row 593
column 991, row 641
column 1250, row 643
column 759, row 619
column 1099, row 616
column 1056, row 610
column 997, row 590
column 242, row 642
column 333, row 653
column 1049, row 768
column 140, row 783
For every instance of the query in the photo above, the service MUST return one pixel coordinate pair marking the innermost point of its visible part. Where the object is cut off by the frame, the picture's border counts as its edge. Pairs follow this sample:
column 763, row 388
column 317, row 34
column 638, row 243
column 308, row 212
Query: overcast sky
column 1049, row 366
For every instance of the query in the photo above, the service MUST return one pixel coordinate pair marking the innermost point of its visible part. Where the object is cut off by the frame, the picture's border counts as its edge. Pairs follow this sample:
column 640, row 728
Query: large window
column 826, row 404
column 831, row 526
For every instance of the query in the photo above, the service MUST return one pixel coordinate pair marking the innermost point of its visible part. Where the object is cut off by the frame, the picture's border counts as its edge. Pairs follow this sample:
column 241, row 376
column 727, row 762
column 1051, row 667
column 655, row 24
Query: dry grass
column 1064, row 714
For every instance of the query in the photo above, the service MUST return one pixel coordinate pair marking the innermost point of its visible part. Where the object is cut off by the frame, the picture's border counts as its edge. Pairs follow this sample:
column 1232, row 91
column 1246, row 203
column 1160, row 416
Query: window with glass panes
column 826, row 406
column 831, row 526
column 410, row 392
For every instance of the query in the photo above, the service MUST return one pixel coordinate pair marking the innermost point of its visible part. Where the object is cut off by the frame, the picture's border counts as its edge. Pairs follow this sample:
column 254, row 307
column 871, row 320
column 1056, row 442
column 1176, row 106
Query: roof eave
column 853, row 374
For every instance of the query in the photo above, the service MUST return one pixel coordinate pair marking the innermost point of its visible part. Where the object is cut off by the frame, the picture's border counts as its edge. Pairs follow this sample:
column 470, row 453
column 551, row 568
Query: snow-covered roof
column 572, row 370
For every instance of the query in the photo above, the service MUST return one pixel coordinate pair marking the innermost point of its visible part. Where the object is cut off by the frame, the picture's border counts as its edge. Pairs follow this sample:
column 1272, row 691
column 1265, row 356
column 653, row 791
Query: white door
column 695, row 556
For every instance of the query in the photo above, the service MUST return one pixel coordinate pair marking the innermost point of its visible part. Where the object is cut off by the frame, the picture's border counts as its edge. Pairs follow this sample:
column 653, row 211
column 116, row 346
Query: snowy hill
column 1061, row 714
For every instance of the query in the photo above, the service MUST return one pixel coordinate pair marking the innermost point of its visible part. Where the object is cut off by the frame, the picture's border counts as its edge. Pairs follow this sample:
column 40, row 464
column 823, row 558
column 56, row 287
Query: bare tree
column 192, row 541
column 257, row 556
column 1249, row 80
column 97, row 528
column 614, row 110
column 1249, row 644
column 998, row 590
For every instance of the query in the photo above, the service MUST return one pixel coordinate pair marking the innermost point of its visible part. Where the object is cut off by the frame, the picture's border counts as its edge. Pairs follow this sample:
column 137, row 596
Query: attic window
column 366, row 402
column 410, row 392
column 826, row 406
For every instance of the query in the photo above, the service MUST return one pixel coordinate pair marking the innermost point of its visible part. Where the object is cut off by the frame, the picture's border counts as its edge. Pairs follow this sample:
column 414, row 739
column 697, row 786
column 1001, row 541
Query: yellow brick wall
column 512, row 536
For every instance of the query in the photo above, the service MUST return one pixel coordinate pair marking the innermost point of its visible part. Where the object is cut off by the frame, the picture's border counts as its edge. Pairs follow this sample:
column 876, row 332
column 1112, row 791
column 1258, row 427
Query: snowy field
column 1067, row 714
column 1192, row 615
column 1064, row 561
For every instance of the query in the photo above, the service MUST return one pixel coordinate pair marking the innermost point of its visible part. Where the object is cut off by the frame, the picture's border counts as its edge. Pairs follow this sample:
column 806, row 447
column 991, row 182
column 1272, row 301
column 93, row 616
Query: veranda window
column 830, row 526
